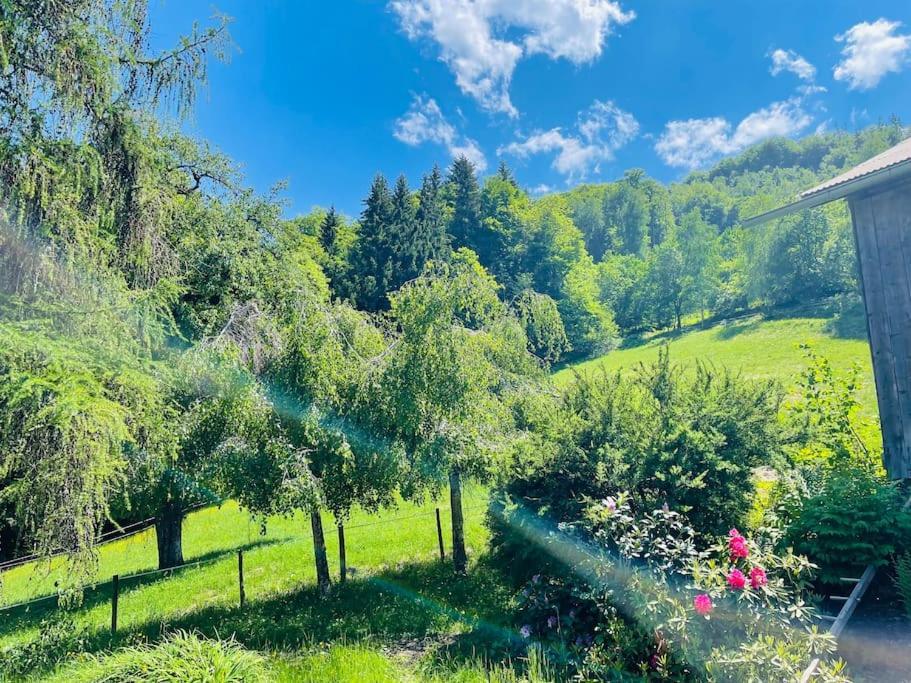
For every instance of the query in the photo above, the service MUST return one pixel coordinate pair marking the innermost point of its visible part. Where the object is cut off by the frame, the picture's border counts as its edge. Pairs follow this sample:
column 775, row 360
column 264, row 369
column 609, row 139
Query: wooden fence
column 117, row 580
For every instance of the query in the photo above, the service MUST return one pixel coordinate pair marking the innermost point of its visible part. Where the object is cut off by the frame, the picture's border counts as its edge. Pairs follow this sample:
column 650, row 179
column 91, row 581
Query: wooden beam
column 844, row 614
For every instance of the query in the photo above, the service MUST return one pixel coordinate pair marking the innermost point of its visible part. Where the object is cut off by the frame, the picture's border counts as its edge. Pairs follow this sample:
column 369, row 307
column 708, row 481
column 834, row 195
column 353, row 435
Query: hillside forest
column 170, row 338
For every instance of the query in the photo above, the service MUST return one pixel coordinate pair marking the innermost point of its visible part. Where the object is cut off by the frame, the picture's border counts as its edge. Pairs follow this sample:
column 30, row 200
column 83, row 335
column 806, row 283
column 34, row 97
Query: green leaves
column 66, row 419
column 855, row 519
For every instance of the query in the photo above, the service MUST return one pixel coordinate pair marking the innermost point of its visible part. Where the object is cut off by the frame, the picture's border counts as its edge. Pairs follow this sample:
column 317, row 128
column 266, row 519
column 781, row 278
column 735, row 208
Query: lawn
column 758, row 347
column 399, row 598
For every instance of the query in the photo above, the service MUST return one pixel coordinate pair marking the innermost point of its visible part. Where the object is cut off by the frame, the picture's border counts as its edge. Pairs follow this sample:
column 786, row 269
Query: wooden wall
column 882, row 230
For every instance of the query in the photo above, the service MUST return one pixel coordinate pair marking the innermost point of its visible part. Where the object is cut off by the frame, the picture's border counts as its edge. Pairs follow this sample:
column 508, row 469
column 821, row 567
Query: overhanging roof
column 892, row 164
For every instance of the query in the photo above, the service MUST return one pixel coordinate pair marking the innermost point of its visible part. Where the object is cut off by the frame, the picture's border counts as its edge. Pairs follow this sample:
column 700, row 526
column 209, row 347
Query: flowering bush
column 729, row 612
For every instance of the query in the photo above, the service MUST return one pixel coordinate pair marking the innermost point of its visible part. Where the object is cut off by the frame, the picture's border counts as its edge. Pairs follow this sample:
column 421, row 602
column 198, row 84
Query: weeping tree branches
column 64, row 64
column 68, row 414
column 80, row 158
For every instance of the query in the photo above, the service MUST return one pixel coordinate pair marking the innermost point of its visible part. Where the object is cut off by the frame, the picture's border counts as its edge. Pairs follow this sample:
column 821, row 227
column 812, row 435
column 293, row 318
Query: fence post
column 342, row 556
column 240, row 577
column 440, row 537
column 115, row 581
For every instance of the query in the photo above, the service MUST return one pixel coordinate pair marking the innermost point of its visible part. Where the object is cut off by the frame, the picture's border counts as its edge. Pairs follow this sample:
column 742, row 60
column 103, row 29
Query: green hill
column 758, row 346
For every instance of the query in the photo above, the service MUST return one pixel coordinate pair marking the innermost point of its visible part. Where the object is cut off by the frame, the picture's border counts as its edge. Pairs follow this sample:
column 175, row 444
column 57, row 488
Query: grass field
column 758, row 347
column 399, row 598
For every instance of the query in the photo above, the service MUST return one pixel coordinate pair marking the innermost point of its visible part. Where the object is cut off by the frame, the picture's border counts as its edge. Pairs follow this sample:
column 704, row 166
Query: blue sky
column 325, row 94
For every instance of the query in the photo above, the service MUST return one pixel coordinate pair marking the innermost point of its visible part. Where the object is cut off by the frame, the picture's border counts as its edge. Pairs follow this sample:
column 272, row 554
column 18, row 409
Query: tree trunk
column 342, row 560
column 323, row 581
column 459, row 558
column 169, row 532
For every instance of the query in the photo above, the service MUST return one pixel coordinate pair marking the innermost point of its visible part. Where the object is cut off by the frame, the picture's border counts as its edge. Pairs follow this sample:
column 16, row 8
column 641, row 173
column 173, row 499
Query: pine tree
column 401, row 233
column 370, row 272
column 428, row 241
column 403, row 211
column 328, row 230
column 504, row 173
column 465, row 195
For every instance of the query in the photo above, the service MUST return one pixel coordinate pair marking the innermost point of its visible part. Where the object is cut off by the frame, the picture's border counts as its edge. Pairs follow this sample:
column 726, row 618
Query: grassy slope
column 758, row 347
column 399, row 592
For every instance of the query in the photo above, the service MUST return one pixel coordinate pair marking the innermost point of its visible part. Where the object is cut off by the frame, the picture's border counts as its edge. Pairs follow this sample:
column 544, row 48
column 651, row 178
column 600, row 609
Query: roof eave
column 840, row 191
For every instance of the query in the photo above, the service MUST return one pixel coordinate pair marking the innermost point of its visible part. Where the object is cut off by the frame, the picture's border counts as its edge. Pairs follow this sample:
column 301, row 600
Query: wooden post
column 240, row 577
column 440, row 537
column 115, row 584
column 459, row 556
column 323, row 580
column 342, row 560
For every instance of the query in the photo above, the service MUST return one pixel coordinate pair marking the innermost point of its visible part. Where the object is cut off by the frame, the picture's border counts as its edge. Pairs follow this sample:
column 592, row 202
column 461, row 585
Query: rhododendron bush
column 641, row 595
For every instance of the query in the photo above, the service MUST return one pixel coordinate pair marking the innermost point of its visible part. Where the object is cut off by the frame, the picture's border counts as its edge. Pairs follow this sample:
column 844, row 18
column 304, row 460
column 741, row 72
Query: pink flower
column 737, row 544
column 702, row 604
column 758, row 577
column 736, row 579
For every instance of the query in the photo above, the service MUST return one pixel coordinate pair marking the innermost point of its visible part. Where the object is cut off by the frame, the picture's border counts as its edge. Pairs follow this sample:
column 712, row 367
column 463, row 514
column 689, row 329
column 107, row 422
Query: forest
column 170, row 338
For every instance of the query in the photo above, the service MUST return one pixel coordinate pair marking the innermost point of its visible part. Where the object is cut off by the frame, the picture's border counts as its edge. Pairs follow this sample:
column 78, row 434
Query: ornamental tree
column 456, row 352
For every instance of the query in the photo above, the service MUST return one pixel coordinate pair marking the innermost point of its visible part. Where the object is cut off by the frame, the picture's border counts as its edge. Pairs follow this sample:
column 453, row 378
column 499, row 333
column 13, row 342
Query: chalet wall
column 882, row 230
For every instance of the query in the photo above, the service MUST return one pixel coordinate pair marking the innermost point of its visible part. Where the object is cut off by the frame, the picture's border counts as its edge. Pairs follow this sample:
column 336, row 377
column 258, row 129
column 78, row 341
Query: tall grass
column 180, row 658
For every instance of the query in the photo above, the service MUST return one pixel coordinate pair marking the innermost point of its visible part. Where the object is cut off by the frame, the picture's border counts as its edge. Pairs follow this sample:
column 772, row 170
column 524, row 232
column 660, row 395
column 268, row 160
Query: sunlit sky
column 324, row 95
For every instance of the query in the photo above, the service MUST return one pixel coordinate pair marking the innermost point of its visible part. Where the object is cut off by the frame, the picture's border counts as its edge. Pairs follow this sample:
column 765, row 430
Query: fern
column 903, row 579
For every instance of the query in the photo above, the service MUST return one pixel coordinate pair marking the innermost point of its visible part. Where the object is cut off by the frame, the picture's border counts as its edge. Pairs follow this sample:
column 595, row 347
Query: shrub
column 686, row 440
column 182, row 656
column 855, row 519
column 58, row 638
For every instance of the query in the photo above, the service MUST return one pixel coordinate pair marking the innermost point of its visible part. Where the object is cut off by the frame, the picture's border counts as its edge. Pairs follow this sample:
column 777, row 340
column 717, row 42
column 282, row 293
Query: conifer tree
column 371, row 269
column 328, row 230
column 428, row 241
column 465, row 195
column 402, row 233
column 504, row 173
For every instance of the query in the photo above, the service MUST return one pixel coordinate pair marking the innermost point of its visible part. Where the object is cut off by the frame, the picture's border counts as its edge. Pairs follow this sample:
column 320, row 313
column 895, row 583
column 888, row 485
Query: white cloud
column 601, row 130
column 870, row 52
column 811, row 89
column 424, row 122
column 543, row 188
column 780, row 118
column 695, row 142
column 788, row 60
column 482, row 41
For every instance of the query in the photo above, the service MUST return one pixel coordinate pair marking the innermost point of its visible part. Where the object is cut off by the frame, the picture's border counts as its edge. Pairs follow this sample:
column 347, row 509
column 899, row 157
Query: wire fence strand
column 229, row 553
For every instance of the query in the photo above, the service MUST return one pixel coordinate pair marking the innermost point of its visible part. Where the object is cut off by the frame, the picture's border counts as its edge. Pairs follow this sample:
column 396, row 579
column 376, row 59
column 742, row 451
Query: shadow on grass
column 30, row 615
column 418, row 601
column 849, row 322
column 732, row 330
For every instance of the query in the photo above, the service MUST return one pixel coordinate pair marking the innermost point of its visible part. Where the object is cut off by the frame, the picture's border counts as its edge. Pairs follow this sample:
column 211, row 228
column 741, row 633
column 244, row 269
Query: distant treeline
column 600, row 260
